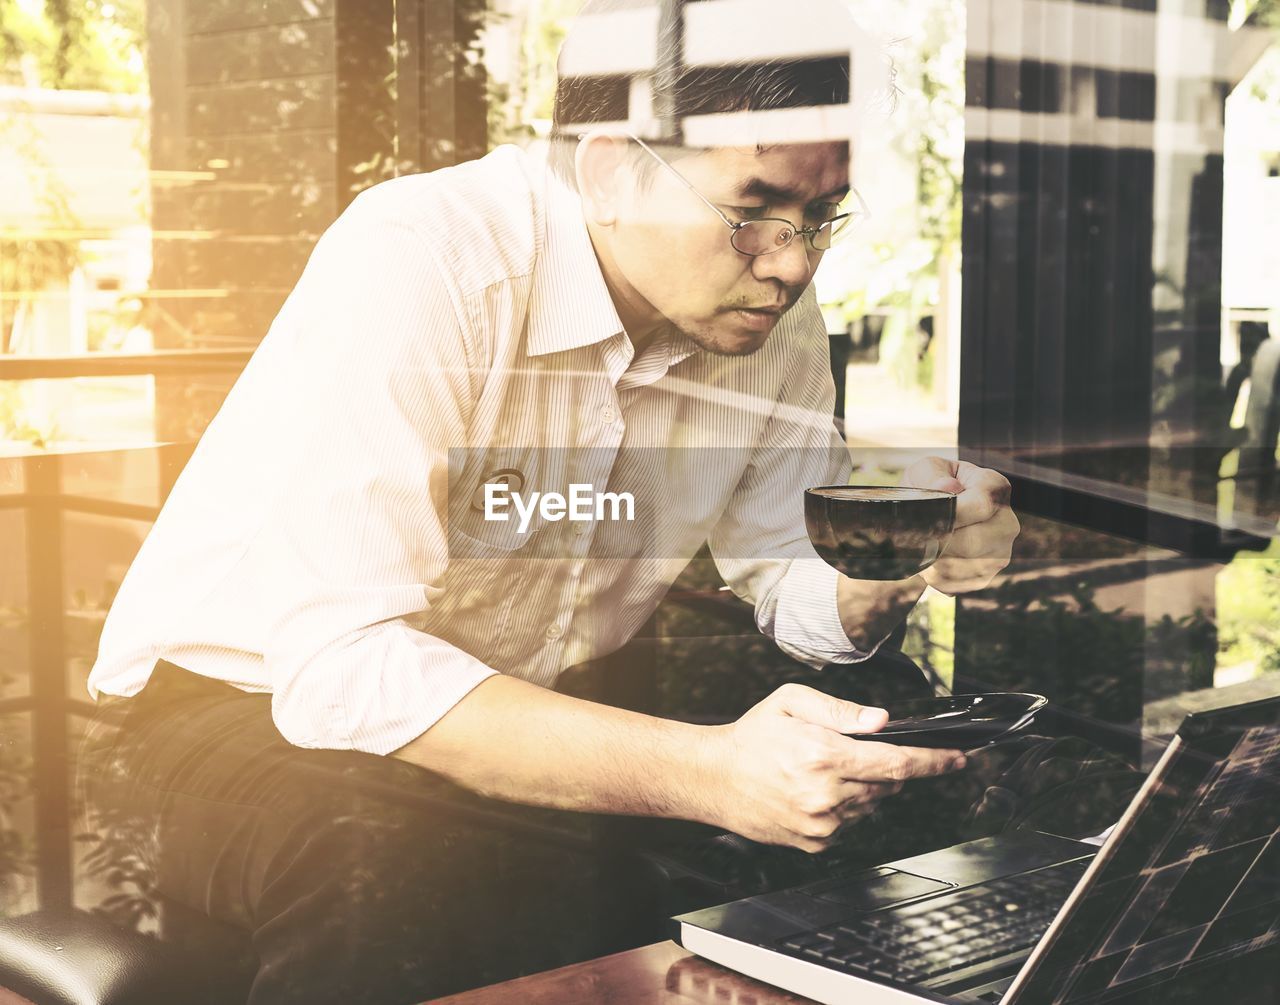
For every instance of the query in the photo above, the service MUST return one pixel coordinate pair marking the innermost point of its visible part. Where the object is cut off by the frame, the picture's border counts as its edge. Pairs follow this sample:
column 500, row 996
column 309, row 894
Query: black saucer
column 959, row 722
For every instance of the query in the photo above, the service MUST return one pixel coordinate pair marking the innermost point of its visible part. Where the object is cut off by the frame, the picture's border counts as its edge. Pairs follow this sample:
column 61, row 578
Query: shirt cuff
column 807, row 626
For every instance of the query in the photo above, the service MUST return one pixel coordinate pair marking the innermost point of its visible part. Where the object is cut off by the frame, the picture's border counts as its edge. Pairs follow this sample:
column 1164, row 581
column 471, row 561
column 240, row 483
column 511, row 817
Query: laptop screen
column 1193, row 879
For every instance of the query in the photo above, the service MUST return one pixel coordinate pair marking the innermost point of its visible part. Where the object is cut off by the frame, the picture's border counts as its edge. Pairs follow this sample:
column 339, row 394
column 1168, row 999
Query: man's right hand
column 790, row 776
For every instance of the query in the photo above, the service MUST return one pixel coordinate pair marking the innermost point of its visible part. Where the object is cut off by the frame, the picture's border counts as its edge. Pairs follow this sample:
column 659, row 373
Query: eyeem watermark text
column 581, row 504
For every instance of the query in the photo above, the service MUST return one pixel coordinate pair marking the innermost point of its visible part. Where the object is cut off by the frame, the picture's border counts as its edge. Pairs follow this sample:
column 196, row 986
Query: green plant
column 1249, row 610
column 515, row 107
column 931, row 637
column 1263, row 12
column 117, row 856
column 33, row 262
column 15, row 788
column 1101, row 663
column 83, row 44
column 78, row 44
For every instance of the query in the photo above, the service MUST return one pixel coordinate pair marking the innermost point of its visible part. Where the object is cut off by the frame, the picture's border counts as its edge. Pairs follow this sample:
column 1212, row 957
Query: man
column 328, row 580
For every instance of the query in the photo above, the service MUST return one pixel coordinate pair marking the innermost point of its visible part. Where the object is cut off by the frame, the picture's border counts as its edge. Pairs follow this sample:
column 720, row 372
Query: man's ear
column 600, row 164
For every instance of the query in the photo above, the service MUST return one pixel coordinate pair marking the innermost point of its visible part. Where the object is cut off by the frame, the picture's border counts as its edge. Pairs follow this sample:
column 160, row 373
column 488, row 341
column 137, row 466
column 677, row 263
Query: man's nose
column 792, row 266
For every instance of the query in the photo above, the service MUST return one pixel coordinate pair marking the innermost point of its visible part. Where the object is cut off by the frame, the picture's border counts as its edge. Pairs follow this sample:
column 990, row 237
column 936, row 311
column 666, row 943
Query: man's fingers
column 974, row 507
column 935, row 473
column 981, row 492
column 992, row 539
column 811, row 705
column 928, row 469
column 970, row 475
column 821, row 830
column 811, row 845
column 966, row 575
column 868, row 761
column 975, row 555
column 986, row 493
column 855, row 794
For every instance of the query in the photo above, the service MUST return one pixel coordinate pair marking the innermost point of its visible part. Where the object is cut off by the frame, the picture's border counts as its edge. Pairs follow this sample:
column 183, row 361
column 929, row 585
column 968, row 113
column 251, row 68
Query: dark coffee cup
column 879, row 532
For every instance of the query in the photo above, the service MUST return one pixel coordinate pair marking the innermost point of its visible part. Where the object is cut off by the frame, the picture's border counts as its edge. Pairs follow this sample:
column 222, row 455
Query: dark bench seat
column 71, row 957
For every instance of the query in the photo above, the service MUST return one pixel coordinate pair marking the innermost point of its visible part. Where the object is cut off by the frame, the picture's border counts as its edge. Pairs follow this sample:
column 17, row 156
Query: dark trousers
column 354, row 878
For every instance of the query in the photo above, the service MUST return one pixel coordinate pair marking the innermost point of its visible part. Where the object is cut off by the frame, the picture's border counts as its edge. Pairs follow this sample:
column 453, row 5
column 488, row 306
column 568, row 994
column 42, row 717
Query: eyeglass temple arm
column 684, row 181
column 863, row 209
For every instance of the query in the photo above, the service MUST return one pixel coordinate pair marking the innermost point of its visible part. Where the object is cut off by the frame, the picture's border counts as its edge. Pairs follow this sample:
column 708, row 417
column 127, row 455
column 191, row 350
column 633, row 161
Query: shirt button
column 554, row 632
column 607, row 414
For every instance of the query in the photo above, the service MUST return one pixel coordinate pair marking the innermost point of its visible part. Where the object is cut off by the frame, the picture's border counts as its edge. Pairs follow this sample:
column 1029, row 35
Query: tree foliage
column 515, row 106
column 1249, row 611
column 74, row 44
column 1261, row 12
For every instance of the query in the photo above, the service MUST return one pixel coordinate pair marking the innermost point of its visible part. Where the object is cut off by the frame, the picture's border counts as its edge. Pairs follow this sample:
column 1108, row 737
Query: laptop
column 1188, row 878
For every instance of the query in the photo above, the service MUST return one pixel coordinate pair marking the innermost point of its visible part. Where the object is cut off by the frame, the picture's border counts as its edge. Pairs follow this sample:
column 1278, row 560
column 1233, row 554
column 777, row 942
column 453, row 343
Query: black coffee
column 878, row 493
column 878, row 532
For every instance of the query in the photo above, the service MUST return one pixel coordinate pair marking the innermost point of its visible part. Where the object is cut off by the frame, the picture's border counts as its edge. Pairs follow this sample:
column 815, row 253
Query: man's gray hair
column 591, row 93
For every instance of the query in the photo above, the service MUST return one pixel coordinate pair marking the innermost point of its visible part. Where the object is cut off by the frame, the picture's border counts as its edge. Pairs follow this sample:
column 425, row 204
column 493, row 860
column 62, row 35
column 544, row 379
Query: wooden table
column 661, row 974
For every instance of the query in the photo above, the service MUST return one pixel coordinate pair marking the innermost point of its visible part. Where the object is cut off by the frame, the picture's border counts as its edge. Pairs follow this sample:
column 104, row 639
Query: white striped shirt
column 322, row 545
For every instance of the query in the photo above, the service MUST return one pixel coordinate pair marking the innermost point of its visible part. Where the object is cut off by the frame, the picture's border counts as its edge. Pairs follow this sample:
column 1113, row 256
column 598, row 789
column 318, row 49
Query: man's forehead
column 791, row 172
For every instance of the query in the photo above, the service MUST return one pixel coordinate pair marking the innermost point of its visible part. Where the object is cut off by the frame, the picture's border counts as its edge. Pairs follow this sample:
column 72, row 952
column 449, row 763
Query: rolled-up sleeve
column 760, row 543
column 353, row 543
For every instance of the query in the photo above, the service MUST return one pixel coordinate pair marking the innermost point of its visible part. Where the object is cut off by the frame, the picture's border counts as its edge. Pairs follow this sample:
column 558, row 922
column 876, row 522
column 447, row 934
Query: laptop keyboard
column 946, row 933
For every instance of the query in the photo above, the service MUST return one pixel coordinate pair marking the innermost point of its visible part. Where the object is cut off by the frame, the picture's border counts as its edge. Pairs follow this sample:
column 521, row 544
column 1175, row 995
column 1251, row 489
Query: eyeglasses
column 770, row 234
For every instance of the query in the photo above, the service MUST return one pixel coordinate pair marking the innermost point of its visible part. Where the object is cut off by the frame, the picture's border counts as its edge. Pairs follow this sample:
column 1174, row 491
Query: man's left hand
column 985, row 525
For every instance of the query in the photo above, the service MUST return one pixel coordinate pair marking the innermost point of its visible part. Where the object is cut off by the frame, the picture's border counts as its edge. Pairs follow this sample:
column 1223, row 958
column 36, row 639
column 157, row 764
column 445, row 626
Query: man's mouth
column 772, row 310
column 759, row 318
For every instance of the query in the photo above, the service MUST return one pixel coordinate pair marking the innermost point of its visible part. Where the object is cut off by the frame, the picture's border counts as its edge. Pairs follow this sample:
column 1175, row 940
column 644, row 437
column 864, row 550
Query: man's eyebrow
column 757, row 188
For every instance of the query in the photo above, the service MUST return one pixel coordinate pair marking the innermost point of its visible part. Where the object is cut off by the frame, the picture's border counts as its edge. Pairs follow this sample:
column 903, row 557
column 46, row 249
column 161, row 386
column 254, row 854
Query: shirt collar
column 680, row 348
column 569, row 304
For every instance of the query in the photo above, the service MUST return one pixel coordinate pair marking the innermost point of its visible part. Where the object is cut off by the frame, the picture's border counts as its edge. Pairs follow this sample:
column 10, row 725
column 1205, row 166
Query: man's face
column 674, row 253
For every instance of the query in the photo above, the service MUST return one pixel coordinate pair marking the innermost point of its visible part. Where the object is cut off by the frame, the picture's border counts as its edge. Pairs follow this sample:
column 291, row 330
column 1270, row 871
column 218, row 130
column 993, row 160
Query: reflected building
column 1093, row 236
column 1092, row 290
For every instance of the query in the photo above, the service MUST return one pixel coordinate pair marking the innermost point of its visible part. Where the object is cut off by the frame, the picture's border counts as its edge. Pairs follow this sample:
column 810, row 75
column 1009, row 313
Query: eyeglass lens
column 761, row 237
